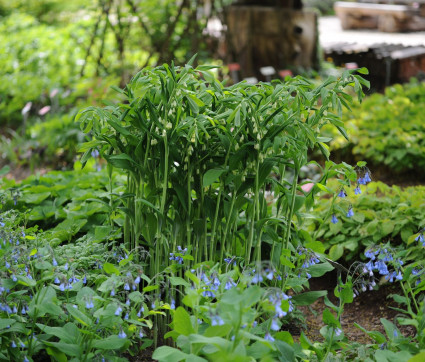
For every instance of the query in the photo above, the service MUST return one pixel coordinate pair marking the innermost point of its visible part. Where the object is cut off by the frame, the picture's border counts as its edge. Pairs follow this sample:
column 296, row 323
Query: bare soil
column 366, row 310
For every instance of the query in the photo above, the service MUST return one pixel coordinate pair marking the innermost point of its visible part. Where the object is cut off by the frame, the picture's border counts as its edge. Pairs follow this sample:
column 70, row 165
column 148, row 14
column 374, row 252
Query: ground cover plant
column 386, row 129
column 382, row 213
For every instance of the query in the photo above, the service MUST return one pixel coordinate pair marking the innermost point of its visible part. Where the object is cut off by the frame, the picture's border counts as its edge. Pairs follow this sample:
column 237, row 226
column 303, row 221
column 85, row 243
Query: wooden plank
column 375, row 9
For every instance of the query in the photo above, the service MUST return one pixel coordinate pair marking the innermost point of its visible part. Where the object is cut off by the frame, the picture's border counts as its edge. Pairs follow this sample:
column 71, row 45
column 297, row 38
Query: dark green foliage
column 388, row 129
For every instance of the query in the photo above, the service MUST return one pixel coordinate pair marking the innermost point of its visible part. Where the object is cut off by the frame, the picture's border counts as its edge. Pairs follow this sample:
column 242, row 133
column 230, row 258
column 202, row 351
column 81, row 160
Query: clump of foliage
column 200, row 158
column 386, row 129
column 381, row 213
column 66, row 205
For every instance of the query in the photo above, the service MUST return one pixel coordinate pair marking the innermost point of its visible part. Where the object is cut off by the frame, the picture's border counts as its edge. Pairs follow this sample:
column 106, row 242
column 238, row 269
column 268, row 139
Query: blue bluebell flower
column 7, row 264
column 62, row 287
column 126, row 286
column 126, row 316
column 173, row 304
column 137, row 280
column 54, row 262
column 274, row 326
column 66, row 266
column 230, row 260
column 382, row 267
column 122, row 334
column 22, row 344
column 367, row 177
column 350, row 212
column 421, row 238
column 112, row 292
column 269, row 274
column 361, row 181
column 257, row 278
column 357, row 190
column 141, row 334
column 141, row 310
column 14, row 278
column 338, row 332
column 370, row 253
column 216, row 321
column 90, row 304
column 56, row 281
column 342, row 193
column 13, row 344
column 85, row 280
column 230, row 284
column 268, row 337
column 127, row 302
column 208, row 294
column 118, row 311
column 334, row 219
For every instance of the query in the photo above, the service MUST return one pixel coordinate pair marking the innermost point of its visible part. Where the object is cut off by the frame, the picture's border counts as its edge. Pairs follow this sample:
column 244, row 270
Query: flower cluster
column 260, row 274
column 230, row 260
column 380, row 259
column 276, row 297
column 211, row 284
column 421, row 238
column 178, row 257
column 309, row 260
column 363, row 179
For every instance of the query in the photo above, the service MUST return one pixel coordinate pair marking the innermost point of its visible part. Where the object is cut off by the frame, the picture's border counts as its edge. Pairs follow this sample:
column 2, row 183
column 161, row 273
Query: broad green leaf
column 72, row 350
column 181, row 322
column 211, row 176
column 308, row 297
column 336, row 251
column 111, row 343
column 178, row 281
column 111, row 269
column 79, row 316
column 168, row 354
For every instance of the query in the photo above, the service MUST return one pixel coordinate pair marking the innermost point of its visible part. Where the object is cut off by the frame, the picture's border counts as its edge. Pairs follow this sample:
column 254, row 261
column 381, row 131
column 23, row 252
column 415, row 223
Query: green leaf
column 111, row 343
column 111, row 269
column 286, row 262
column 336, row 251
column 211, row 176
column 181, row 322
column 5, row 170
column 149, row 288
column 6, row 322
column 308, row 297
column 122, row 161
column 318, row 270
column 168, row 354
column 362, row 70
column 79, row 316
column 58, row 355
column 376, row 336
column 73, row 350
column 329, row 318
column 178, row 281
column 420, row 357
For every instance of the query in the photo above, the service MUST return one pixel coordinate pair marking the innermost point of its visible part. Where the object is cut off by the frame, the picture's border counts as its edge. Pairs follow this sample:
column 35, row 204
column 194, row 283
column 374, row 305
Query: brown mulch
column 366, row 310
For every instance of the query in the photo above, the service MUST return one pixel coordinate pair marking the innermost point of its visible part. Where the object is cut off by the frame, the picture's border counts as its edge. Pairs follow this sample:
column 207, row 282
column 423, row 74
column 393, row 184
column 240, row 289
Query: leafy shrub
column 200, row 157
column 381, row 213
column 66, row 205
column 388, row 129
